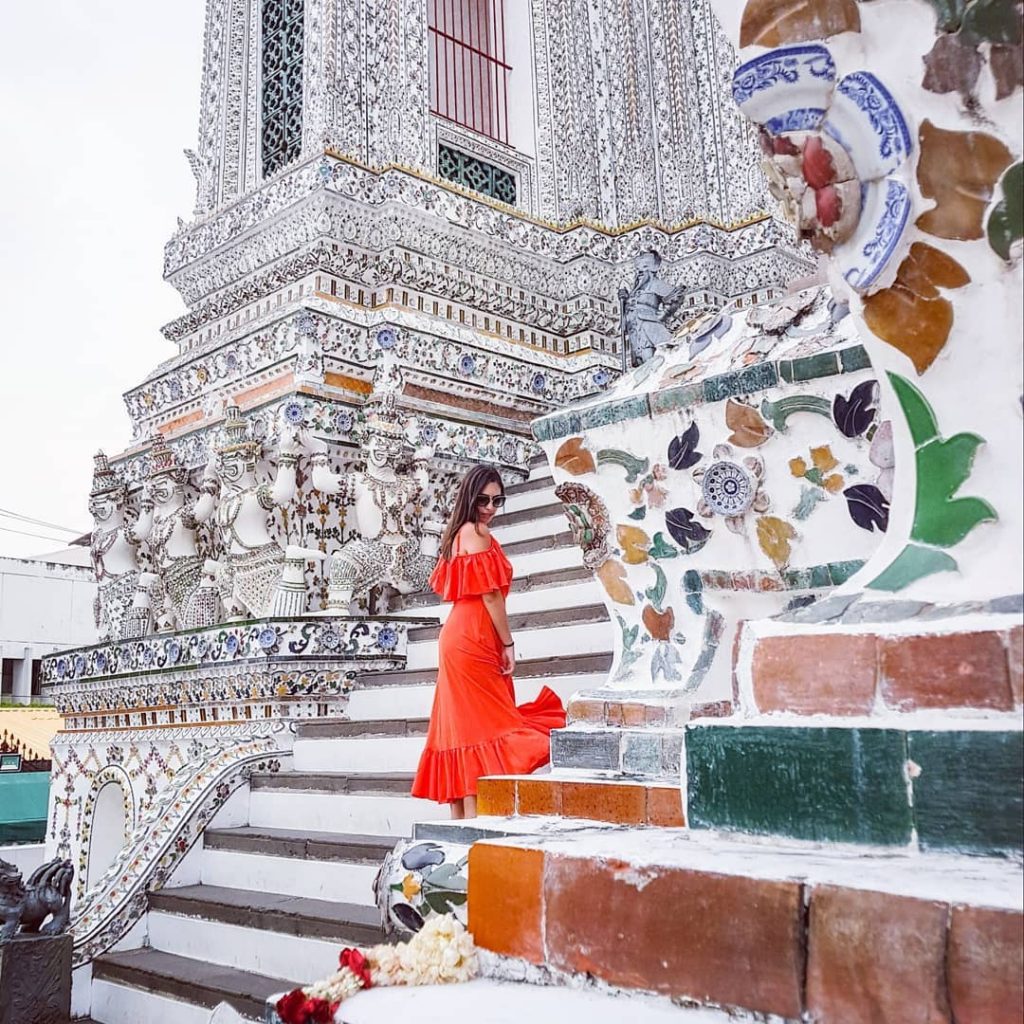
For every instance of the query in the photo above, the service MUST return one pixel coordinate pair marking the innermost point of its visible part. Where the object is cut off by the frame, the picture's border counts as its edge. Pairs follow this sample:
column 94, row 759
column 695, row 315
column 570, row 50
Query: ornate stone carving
column 25, row 906
column 645, row 308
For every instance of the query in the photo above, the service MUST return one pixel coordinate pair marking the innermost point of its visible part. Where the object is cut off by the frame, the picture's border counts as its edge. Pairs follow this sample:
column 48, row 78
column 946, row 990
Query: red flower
column 319, row 1011
column 357, row 964
column 291, row 1008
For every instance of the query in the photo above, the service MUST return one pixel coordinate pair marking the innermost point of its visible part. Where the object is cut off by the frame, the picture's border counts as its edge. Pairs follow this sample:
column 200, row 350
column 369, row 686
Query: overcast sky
column 97, row 102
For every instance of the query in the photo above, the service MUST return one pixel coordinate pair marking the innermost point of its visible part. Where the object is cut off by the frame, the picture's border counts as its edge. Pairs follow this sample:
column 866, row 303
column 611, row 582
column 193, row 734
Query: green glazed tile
column 943, row 466
column 840, row 572
column 824, row 364
column 828, row 785
column 920, row 417
column 854, row 358
column 914, row 562
column 967, row 796
column 785, row 370
column 758, row 377
column 632, row 408
column 680, row 397
column 820, row 576
column 721, row 387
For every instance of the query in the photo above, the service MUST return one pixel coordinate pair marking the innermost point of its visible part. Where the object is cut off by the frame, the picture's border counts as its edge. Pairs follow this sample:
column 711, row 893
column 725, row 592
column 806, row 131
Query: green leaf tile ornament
column 633, row 466
column 661, row 548
column 941, row 520
column 656, row 593
column 777, row 413
column 1006, row 221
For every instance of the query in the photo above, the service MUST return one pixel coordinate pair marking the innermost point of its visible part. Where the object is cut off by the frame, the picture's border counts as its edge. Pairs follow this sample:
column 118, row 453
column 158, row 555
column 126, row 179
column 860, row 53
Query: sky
column 97, row 102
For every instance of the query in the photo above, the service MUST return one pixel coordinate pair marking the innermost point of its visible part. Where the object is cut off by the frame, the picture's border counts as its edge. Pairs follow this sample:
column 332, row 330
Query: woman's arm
column 474, row 539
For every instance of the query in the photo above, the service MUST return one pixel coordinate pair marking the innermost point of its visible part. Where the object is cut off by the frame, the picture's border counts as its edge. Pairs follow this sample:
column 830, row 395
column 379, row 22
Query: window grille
column 468, row 69
column 281, row 63
column 474, row 173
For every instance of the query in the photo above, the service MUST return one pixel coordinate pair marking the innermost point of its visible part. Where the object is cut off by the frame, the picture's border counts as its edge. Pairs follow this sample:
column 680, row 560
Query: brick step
column 853, row 781
column 618, row 801
column 824, row 671
column 548, row 619
column 789, row 930
column 181, row 980
column 530, row 668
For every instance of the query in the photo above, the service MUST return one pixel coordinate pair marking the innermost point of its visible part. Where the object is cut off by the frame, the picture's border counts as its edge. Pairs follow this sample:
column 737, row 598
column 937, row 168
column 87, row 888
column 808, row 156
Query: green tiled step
column 956, row 790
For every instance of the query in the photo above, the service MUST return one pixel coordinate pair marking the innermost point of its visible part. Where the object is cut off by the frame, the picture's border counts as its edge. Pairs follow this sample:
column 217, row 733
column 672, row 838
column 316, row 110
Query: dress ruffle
column 471, row 575
column 448, row 775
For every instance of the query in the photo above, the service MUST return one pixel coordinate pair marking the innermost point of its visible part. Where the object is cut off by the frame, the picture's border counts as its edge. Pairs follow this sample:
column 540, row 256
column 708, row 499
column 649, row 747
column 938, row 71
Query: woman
column 475, row 727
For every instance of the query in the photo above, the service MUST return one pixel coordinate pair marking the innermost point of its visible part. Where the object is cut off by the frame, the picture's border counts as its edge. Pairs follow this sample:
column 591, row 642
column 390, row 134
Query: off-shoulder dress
column 475, row 727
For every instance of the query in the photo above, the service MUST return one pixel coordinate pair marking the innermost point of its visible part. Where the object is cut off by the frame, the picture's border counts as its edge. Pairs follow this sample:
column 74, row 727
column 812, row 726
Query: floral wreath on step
column 440, row 953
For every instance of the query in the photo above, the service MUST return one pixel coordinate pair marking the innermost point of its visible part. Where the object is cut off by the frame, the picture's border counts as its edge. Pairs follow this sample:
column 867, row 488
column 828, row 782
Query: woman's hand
column 508, row 661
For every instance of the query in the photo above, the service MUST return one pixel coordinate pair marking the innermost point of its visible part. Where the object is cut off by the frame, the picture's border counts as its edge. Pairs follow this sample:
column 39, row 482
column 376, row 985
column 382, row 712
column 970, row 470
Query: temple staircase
column 284, row 878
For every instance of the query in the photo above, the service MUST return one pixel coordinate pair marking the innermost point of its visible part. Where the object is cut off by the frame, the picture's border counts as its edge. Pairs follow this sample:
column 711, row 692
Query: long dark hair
column 464, row 509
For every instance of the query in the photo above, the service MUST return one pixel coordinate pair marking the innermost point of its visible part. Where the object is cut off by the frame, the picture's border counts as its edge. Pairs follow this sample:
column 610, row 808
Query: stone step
column 522, row 621
column 417, row 699
column 529, row 668
column 318, row 865
column 366, row 803
column 258, row 931
column 534, row 483
column 778, row 929
column 949, row 784
column 151, row 986
column 582, row 630
column 527, row 523
column 381, row 745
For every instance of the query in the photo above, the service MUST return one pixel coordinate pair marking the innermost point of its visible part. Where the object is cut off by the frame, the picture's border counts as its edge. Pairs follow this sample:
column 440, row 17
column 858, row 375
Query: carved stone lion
column 47, row 892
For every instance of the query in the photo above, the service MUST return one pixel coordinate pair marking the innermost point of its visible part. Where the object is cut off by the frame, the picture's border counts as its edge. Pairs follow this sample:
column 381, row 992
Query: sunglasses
column 496, row 500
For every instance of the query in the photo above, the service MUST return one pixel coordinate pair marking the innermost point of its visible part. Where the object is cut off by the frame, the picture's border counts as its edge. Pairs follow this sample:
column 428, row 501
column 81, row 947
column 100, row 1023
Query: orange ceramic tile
column 538, row 796
column 769, row 23
column 586, row 709
column 496, row 796
column 624, row 804
column 665, row 806
column 505, row 894
column 985, row 965
column 633, row 715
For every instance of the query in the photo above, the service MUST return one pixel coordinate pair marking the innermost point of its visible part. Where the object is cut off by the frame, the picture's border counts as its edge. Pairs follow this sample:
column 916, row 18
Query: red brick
column 714, row 709
column 834, row 674
column 613, row 713
column 538, row 796
column 713, row 938
column 633, row 714
column 586, row 709
column 665, row 806
column 952, row 670
column 623, row 804
column 496, row 796
column 985, row 966
column 1015, row 659
column 737, row 640
column 505, row 894
column 875, row 958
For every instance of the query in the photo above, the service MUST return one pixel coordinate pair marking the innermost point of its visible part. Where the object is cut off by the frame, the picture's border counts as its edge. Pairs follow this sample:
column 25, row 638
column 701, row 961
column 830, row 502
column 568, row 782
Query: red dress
column 475, row 727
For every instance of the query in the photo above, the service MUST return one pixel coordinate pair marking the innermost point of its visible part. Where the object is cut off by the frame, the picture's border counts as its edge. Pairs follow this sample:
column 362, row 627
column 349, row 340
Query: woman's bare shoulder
column 474, row 538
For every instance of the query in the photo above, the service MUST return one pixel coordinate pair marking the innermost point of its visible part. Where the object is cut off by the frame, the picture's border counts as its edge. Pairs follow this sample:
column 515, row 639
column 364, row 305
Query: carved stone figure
column 256, row 576
column 588, row 520
column 113, row 550
column 645, row 307
column 28, row 904
column 169, row 523
column 385, row 495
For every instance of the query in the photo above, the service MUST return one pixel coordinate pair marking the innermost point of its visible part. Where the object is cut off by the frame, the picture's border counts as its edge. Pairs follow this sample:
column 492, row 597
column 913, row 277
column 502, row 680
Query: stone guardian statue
column 645, row 307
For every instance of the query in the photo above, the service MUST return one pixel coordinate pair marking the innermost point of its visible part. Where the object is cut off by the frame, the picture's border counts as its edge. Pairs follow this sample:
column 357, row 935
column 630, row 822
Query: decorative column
column 23, row 679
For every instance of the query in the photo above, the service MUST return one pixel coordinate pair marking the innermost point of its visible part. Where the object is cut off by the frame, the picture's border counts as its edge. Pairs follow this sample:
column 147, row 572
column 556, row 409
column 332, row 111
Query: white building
column 45, row 606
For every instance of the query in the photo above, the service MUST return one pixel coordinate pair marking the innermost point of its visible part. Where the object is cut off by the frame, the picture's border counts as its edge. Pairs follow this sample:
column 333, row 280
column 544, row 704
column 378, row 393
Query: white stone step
column 519, row 500
column 369, row 702
column 567, row 556
column 553, row 641
column 113, row 1003
column 548, row 523
column 247, row 949
column 315, row 865
column 279, row 805
column 357, row 754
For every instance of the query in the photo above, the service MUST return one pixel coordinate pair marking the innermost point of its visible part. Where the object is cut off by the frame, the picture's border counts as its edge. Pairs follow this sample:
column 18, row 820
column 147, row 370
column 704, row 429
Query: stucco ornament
column 256, row 576
column 588, row 521
column 387, row 495
column 114, row 552
column 731, row 488
column 645, row 307
column 834, row 155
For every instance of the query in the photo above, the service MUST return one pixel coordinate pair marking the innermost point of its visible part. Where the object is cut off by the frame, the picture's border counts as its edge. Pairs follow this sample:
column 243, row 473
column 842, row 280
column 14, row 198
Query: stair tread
column 531, row 581
column 535, row 483
column 298, row 843
column 370, row 728
column 387, row 783
column 282, row 912
column 529, row 668
column 581, row 614
column 195, row 981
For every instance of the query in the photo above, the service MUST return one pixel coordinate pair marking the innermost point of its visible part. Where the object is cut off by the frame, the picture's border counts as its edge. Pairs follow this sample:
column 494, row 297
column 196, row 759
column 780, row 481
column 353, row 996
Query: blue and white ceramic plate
column 883, row 218
column 865, row 120
column 787, row 89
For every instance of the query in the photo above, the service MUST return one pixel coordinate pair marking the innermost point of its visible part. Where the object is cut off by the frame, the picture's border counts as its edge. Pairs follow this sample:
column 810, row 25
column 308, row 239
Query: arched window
column 468, row 66
column 281, row 24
